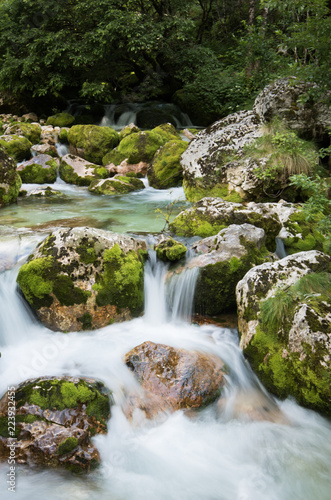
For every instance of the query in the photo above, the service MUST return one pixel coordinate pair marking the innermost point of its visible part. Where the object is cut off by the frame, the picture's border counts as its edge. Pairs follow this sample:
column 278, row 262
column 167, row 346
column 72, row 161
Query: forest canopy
column 210, row 56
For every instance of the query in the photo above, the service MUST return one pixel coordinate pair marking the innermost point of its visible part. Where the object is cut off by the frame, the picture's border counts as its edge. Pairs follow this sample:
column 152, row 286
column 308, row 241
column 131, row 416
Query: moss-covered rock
column 284, row 313
column 302, row 235
column 165, row 170
column 128, row 130
column 84, row 278
column 92, row 142
column 41, row 169
column 119, row 184
column 211, row 215
column 32, row 131
column 75, row 170
column 55, row 420
column 61, row 120
column 170, row 250
column 10, row 181
column 63, row 135
column 17, row 147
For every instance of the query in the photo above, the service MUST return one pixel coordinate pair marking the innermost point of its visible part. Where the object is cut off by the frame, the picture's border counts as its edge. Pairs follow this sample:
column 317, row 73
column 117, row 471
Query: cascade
column 280, row 248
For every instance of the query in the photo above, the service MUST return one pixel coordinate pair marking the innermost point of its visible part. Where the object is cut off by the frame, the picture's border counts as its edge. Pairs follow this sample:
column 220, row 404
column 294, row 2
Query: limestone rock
column 284, row 311
column 174, row 379
column 55, row 420
column 47, row 148
column 140, row 169
column 75, row 170
column 41, row 169
column 119, row 184
column 10, row 181
column 84, row 278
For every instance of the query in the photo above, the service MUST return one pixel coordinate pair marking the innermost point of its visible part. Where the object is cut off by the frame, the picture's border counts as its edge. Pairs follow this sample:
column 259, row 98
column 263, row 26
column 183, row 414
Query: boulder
column 210, row 215
column 30, row 117
column 140, row 169
column 127, row 130
column 165, row 170
column 47, row 148
column 41, row 169
column 92, row 142
column 223, row 261
column 31, row 131
column 284, row 316
column 17, row 146
column 75, row 170
column 84, row 278
column 10, row 181
column 61, row 120
column 42, row 192
column 174, row 379
column 119, row 184
column 55, row 420
column 170, row 250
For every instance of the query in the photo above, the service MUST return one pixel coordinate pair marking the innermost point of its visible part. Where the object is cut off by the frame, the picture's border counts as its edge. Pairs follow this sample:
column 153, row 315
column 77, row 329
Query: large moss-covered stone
column 76, row 170
column 170, row 250
column 84, row 278
column 119, row 184
column 61, row 120
column 210, row 215
column 284, row 311
column 41, row 169
column 32, row 131
column 18, row 147
column 91, row 141
column 165, row 170
column 10, row 181
column 55, row 420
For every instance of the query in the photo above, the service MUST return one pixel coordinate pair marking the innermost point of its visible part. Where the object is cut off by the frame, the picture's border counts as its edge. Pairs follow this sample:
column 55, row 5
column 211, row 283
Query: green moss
column 128, row 131
column 202, row 189
column 195, row 224
column 306, row 235
column 33, row 278
column 166, row 170
column 35, row 173
column 17, row 147
column 116, row 185
column 67, row 293
column 4, row 424
column 86, row 321
column 31, row 131
column 95, row 141
column 11, row 188
column 68, row 175
column 61, row 120
column 67, row 446
column 167, row 131
column 86, row 251
column 63, row 135
column 122, row 282
column 170, row 250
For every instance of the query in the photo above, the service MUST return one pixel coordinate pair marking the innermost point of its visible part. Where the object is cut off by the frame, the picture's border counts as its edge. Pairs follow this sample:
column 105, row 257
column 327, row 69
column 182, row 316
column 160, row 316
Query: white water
column 219, row 454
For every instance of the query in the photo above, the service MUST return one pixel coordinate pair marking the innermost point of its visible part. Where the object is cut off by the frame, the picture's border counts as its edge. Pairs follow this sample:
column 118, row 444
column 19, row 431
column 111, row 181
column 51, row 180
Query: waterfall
column 280, row 248
column 181, row 288
column 155, row 304
column 62, row 149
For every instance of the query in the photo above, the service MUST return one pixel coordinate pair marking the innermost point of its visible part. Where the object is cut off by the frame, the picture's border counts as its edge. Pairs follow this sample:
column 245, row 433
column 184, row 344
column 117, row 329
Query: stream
column 247, row 447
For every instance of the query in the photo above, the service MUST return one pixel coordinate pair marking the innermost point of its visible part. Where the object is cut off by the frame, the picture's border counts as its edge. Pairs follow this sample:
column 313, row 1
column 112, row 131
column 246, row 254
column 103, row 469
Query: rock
column 165, row 170
column 41, row 169
column 283, row 99
column 224, row 261
column 55, row 420
column 129, row 129
column 45, row 149
column 30, row 117
column 284, row 311
column 92, row 142
column 141, row 146
column 84, row 278
column 63, row 135
column 31, row 131
column 170, row 250
column 43, row 192
column 140, row 169
column 18, row 147
column 61, row 120
column 116, row 185
column 174, row 379
column 75, row 170
column 210, row 215
column 10, row 181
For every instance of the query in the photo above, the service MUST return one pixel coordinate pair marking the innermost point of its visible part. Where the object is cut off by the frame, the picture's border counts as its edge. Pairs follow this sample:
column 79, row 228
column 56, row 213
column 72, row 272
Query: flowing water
column 246, row 447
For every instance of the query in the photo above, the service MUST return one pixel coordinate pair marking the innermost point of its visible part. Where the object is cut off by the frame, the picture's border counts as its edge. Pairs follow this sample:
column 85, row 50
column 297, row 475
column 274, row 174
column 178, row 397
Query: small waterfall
column 180, row 292
column 62, row 149
column 280, row 248
column 155, row 304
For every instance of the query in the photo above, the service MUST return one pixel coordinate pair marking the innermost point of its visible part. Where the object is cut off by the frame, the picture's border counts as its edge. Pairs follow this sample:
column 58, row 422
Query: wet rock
column 284, row 313
column 116, row 185
column 31, row 131
column 140, row 169
column 41, row 169
column 46, row 149
column 55, row 420
column 128, row 129
column 174, row 379
column 165, row 170
column 76, row 170
column 170, row 250
column 84, row 278
column 92, row 142
column 10, row 181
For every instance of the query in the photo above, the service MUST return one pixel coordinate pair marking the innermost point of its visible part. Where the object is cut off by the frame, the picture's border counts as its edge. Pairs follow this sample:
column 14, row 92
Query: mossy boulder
column 170, row 250
column 210, row 215
column 41, row 169
column 302, row 235
column 92, row 142
column 140, row 146
column 75, row 170
column 165, row 170
column 10, row 181
column 284, row 311
column 61, row 120
column 119, row 184
column 128, row 130
column 84, row 278
column 63, row 135
column 223, row 261
column 55, row 420
column 32, row 131
column 18, row 147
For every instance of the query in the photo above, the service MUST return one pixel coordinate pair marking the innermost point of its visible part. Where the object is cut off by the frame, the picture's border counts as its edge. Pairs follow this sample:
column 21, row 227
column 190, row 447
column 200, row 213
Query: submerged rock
column 55, row 420
column 174, row 379
column 10, row 181
column 84, row 278
column 41, row 169
column 76, row 170
column 92, row 142
column 284, row 311
column 119, row 184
